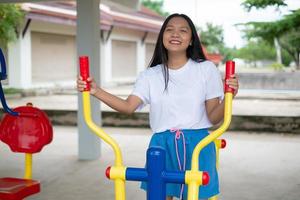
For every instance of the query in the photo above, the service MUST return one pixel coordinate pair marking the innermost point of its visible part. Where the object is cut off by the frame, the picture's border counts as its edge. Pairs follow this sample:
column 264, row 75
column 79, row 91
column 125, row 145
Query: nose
column 175, row 34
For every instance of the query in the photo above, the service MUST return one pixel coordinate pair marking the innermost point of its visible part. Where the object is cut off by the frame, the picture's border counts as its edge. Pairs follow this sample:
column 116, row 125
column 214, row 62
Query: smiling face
column 177, row 35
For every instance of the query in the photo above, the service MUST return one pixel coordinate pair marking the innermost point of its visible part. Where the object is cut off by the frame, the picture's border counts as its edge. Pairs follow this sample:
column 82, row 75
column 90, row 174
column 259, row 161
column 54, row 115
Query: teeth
column 175, row 42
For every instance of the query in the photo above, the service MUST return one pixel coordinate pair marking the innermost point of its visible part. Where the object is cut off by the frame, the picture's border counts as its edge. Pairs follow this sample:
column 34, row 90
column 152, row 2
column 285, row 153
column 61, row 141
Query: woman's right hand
column 81, row 85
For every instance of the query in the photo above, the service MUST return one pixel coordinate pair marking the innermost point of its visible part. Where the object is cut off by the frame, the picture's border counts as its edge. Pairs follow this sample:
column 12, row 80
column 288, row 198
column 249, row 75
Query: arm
column 215, row 108
column 127, row 106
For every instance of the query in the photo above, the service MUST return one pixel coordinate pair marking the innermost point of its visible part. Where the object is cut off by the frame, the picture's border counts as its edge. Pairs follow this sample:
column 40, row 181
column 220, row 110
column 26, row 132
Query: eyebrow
column 186, row 27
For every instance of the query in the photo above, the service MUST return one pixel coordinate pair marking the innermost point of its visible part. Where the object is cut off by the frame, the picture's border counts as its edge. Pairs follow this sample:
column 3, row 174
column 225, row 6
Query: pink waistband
column 178, row 134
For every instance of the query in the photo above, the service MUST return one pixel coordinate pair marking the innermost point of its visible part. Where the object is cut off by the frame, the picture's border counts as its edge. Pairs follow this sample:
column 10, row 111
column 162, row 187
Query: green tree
column 11, row 17
column 260, row 4
column 285, row 31
column 255, row 51
column 155, row 5
column 212, row 37
column 290, row 42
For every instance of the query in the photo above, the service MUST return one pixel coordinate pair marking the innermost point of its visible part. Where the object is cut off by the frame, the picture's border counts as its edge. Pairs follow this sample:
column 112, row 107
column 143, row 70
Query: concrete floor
column 254, row 166
column 272, row 103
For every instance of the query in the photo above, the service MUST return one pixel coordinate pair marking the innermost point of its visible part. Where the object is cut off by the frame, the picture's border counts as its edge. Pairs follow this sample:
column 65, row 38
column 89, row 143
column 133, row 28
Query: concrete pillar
column 88, row 40
column 141, row 56
column 19, row 62
column 106, row 54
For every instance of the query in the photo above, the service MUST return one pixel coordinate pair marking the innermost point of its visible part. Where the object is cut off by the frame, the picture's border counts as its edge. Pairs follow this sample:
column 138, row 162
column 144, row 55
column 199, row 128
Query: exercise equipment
column 155, row 173
column 25, row 129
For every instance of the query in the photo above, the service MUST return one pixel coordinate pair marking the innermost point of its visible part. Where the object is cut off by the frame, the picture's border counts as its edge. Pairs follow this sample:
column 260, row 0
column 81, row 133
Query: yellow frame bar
column 28, row 166
column 120, row 180
column 218, row 147
column 193, row 185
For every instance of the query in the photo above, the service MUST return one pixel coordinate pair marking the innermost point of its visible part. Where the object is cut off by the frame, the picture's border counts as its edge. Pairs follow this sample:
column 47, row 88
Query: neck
column 176, row 61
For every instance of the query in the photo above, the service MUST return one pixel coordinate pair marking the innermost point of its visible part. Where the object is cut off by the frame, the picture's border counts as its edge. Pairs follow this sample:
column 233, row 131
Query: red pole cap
column 223, row 144
column 107, row 172
column 84, row 70
column 230, row 69
column 205, row 178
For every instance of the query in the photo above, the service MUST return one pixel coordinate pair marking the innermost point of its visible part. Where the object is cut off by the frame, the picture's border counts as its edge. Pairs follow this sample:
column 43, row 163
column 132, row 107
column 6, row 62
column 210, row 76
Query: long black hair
column 160, row 55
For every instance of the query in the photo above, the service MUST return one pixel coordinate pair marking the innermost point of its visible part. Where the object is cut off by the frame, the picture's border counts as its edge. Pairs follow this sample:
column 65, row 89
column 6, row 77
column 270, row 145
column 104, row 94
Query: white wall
column 53, row 50
column 19, row 62
column 149, row 50
column 125, row 55
column 124, row 60
column 51, row 59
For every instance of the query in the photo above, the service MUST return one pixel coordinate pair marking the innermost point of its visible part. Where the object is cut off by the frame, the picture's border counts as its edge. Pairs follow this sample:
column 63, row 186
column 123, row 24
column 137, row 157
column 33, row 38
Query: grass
column 12, row 91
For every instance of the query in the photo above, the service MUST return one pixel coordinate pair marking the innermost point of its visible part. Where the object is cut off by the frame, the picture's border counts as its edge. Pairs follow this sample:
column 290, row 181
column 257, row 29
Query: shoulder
column 152, row 71
column 205, row 67
column 207, row 64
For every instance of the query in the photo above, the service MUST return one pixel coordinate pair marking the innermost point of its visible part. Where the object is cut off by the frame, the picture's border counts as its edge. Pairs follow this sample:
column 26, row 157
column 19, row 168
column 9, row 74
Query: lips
column 176, row 42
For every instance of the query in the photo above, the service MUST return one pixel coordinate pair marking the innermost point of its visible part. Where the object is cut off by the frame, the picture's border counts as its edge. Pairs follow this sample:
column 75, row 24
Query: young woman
column 185, row 93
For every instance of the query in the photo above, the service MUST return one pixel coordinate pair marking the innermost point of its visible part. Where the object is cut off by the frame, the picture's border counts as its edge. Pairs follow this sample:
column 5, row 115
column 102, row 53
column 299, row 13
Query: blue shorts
column 207, row 161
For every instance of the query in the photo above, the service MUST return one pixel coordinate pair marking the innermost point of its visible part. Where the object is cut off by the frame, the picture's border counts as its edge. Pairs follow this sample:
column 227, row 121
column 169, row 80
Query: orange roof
column 65, row 13
column 214, row 57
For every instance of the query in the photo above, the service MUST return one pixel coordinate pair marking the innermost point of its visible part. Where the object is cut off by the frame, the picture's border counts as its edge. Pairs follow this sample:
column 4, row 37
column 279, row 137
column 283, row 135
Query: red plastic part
column 27, row 133
column 107, row 172
column 17, row 189
column 223, row 143
column 230, row 69
column 84, row 70
column 205, row 178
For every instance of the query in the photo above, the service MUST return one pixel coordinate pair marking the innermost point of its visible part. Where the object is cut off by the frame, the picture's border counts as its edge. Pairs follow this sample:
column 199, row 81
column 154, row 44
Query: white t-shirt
column 182, row 105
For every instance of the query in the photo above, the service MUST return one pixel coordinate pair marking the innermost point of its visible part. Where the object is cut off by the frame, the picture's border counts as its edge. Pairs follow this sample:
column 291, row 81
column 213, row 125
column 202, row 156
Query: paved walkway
column 253, row 166
column 248, row 102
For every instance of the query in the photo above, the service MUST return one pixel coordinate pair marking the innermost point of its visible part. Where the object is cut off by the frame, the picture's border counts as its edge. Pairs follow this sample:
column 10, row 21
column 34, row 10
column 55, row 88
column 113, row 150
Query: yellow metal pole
column 215, row 134
column 28, row 166
column 193, row 185
column 214, row 198
column 120, row 180
column 217, row 146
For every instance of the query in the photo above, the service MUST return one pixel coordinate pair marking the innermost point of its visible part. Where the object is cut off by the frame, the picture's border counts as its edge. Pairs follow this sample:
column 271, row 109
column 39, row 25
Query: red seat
column 26, row 133
column 17, row 189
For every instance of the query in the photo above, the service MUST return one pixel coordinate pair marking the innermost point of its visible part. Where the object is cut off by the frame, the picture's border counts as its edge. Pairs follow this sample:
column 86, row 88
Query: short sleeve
column 214, row 84
column 141, row 88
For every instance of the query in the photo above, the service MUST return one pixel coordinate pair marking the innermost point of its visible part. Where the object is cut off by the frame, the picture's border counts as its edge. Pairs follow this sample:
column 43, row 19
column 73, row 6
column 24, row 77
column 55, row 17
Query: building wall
column 149, row 53
column 124, row 62
column 53, row 54
column 5, row 53
column 53, row 57
column 125, row 55
column 150, row 43
column 45, row 27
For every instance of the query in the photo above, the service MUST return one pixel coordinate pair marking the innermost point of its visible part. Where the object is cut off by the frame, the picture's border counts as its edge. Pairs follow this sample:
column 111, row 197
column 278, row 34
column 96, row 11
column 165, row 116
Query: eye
column 184, row 30
column 168, row 29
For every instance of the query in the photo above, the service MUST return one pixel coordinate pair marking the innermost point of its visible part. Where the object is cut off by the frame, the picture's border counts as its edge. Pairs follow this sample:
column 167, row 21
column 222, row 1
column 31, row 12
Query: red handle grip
column 230, row 69
column 205, row 178
column 223, row 143
column 84, row 70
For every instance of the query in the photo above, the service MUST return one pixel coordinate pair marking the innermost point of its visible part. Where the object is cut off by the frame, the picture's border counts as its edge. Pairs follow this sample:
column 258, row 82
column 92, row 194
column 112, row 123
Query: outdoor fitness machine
column 25, row 129
column 155, row 173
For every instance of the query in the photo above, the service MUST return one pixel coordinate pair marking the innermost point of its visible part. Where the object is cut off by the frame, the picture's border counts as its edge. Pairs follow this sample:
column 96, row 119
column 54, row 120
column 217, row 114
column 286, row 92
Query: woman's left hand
column 233, row 82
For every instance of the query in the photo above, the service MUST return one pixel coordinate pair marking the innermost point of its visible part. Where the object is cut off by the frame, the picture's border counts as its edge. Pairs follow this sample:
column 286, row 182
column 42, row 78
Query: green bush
column 277, row 66
column 12, row 91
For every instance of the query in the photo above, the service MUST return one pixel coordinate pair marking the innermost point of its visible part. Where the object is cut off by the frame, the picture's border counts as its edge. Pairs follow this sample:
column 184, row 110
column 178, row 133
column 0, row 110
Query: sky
column 225, row 13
